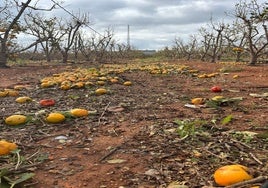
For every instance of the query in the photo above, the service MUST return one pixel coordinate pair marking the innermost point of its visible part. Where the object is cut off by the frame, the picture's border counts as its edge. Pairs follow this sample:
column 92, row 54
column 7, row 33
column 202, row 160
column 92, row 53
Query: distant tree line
column 68, row 39
column 246, row 37
column 52, row 37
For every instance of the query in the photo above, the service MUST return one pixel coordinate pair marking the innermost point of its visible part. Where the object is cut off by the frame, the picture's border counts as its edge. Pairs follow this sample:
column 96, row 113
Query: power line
column 76, row 17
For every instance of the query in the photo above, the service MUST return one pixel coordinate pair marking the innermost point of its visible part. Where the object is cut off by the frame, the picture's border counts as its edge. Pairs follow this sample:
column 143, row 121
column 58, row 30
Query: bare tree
column 43, row 28
column 84, row 45
column 212, row 42
column 217, row 41
column 123, row 50
column 101, row 45
column 10, row 25
column 186, row 50
column 205, row 43
column 235, row 35
column 96, row 48
column 68, row 30
column 254, row 18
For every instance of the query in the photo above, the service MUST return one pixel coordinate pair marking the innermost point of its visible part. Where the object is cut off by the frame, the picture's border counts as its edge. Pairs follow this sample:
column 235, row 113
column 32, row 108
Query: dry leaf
column 116, row 161
column 259, row 95
column 115, row 109
column 176, row 184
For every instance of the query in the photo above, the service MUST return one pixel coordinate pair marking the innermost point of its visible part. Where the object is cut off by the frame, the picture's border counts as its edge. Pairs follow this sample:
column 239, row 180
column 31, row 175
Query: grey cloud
column 153, row 23
column 165, row 14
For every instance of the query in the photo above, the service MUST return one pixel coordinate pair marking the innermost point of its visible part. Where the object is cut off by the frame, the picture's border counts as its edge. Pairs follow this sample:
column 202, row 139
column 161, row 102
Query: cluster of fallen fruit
column 66, row 80
column 224, row 176
column 53, row 117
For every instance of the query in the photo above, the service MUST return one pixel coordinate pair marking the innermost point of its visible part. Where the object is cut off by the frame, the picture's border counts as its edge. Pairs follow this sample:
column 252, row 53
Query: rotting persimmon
column 216, row 89
column 47, row 102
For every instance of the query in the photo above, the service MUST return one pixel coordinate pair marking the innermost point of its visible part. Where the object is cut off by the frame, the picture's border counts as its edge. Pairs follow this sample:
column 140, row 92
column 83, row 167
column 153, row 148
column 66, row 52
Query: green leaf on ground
column 227, row 119
column 21, row 178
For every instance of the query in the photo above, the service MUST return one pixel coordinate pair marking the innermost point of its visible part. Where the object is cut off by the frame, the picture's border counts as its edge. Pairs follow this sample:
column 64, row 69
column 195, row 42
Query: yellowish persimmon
column 198, row 101
column 100, row 91
column 55, row 117
column 78, row 112
column 15, row 120
column 127, row 83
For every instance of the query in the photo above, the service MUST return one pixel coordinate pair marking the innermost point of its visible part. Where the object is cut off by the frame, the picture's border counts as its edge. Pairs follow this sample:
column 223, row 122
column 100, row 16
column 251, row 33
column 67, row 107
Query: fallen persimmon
column 47, row 102
column 231, row 174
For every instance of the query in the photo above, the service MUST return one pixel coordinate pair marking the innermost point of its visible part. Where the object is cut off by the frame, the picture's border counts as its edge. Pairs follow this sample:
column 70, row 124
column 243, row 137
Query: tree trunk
column 203, row 56
column 238, row 57
column 64, row 57
column 253, row 59
column 213, row 58
column 48, row 58
column 3, row 61
column 3, row 56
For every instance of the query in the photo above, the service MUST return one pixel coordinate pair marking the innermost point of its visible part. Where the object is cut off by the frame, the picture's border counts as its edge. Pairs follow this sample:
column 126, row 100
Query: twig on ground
column 241, row 143
column 22, row 168
column 109, row 154
column 28, row 158
column 218, row 156
column 102, row 114
column 259, row 179
column 18, row 161
column 255, row 158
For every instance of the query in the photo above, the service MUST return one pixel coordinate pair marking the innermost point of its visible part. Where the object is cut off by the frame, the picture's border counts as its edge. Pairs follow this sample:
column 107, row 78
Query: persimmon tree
column 254, row 18
column 10, row 25
column 41, row 28
column 235, row 35
column 212, row 41
column 217, row 44
column 96, row 47
column 186, row 50
column 102, row 44
column 67, row 33
column 205, row 43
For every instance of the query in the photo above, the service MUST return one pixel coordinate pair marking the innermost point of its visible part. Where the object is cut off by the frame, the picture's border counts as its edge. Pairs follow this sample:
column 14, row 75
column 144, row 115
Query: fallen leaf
column 259, row 95
column 177, row 186
column 236, row 99
column 233, row 90
column 61, row 138
column 249, row 133
column 116, row 161
column 194, row 106
column 21, row 178
column 152, row 172
column 227, row 120
column 115, row 109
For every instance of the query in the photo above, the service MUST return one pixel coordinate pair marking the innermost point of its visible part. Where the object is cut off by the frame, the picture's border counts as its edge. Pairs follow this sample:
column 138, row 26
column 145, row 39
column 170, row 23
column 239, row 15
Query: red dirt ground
column 152, row 157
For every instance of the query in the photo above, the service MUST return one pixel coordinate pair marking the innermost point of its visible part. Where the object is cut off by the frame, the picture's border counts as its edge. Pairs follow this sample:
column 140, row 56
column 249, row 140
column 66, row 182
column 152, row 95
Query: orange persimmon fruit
column 78, row 112
column 231, row 174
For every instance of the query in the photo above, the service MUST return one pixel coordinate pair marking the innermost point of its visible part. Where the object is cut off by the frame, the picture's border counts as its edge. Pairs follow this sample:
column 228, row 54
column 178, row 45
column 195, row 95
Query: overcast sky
column 154, row 24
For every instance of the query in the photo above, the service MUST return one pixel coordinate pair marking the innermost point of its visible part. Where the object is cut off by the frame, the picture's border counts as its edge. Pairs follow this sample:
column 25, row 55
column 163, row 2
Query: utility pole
column 128, row 38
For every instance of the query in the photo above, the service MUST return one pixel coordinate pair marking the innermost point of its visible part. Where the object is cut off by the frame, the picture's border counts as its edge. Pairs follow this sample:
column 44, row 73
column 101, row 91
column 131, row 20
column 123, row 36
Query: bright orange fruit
column 231, row 174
